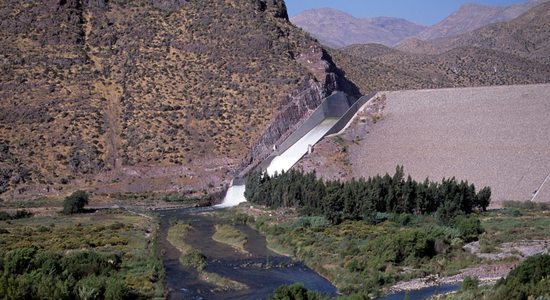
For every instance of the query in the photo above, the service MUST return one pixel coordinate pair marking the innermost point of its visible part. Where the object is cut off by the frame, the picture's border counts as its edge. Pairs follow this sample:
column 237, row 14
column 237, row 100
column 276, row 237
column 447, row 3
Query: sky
column 425, row 12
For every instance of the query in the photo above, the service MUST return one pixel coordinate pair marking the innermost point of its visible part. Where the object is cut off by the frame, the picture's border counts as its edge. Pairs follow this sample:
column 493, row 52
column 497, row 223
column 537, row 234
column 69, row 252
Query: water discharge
column 284, row 161
column 233, row 197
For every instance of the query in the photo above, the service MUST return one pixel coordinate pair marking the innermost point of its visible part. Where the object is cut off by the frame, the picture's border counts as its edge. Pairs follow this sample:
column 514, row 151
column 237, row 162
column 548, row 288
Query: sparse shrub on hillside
column 75, row 202
column 20, row 214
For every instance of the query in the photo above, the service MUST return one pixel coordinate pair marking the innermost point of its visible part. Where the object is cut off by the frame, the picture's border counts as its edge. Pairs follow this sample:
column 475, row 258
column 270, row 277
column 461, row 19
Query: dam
column 330, row 117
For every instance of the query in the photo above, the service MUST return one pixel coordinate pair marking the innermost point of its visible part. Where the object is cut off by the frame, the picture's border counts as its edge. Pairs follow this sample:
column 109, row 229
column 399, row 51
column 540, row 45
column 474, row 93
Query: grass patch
column 231, row 236
column 502, row 227
column 176, row 234
column 223, row 283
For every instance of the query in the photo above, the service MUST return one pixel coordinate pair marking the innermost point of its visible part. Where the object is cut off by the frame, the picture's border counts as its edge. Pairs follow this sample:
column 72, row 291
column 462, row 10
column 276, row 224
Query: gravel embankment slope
column 491, row 136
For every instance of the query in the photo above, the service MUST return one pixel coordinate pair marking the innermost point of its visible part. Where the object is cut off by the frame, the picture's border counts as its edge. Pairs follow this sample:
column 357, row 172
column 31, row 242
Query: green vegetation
column 189, row 256
column 103, row 256
column 20, row 214
column 469, row 283
column 367, row 234
column 526, row 205
column 363, row 199
column 75, row 202
column 359, row 257
column 530, row 280
column 507, row 225
column 294, row 292
column 31, row 274
column 231, row 236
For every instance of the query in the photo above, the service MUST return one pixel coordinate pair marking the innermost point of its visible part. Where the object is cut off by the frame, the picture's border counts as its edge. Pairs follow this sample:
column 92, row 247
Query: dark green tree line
column 361, row 198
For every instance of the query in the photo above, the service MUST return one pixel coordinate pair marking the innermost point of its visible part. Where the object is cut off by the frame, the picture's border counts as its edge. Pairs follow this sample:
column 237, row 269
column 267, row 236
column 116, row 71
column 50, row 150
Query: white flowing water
column 233, row 197
column 284, row 161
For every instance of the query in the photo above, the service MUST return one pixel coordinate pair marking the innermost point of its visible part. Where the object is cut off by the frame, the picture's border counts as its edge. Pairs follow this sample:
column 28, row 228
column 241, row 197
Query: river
column 262, row 271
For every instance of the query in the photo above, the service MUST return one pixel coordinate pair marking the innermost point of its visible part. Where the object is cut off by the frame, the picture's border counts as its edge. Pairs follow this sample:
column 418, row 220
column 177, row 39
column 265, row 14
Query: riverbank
column 511, row 235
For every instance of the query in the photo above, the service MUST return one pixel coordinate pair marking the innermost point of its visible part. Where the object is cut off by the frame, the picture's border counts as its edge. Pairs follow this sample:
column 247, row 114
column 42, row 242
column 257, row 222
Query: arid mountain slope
column 337, row 29
column 527, row 36
column 146, row 95
column 376, row 67
column 473, row 16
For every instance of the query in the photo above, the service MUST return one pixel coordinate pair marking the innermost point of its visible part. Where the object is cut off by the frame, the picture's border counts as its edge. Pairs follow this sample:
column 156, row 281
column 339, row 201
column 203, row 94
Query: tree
column 294, row 292
column 75, row 202
column 483, row 198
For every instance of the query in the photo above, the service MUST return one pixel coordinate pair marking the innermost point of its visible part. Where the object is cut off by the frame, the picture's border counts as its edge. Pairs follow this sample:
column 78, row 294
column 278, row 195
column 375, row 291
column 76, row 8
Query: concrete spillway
column 330, row 117
column 292, row 155
column 284, row 161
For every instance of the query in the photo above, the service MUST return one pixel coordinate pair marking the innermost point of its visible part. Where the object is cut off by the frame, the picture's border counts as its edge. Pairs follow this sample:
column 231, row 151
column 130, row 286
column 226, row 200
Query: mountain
column 514, row 52
column 473, row 16
column 527, row 36
column 337, row 29
column 149, row 95
column 375, row 67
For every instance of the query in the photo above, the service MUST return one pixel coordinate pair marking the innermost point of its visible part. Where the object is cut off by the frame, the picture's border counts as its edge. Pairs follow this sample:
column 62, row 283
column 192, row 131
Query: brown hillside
column 147, row 95
column 527, row 36
column 337, row 29
column 472, row 16
column 376, row 68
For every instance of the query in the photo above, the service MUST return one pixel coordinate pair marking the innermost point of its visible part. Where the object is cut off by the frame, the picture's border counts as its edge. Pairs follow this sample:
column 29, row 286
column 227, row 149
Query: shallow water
column 261, row 270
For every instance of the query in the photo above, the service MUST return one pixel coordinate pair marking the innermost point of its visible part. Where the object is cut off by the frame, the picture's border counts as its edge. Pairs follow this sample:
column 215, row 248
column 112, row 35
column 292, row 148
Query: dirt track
column 491, row 136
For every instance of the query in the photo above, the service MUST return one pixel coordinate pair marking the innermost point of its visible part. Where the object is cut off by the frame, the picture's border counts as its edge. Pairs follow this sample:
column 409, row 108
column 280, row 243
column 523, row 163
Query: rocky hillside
column 473, row 16
column 515, row 52
column 337, row 29
column 149, row 95
column 527, row 36
column 378, row 68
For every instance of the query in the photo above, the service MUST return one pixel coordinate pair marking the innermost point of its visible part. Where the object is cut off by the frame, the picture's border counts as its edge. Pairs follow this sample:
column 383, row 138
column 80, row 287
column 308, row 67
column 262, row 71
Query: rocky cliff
column 326, row 78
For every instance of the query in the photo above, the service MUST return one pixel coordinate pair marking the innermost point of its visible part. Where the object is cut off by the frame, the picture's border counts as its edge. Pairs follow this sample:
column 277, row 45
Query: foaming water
column 233, row 197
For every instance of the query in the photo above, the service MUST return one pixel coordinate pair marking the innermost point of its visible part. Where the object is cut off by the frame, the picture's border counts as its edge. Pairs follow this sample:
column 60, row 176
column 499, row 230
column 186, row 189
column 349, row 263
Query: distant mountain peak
column 338, row 29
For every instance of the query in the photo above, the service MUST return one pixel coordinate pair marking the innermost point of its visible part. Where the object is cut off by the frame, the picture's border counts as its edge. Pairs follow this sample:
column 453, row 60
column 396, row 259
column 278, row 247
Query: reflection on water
column 261, row 270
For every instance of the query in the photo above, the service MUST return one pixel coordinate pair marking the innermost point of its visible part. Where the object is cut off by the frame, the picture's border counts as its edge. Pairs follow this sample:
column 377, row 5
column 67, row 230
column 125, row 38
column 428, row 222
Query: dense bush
column 75, row 202
column 469, row 227
column 469, row 283
column 362, row 199
column 29, row 273
column 294, row 292
column 530, row 280
column 20, row 214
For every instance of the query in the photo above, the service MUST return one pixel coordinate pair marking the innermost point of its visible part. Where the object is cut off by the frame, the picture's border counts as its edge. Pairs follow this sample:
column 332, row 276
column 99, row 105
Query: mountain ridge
column 338, row 29
column 328, row 26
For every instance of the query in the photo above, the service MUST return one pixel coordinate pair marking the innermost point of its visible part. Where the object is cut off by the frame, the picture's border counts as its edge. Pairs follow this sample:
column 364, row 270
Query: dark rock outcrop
column 300, row 104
